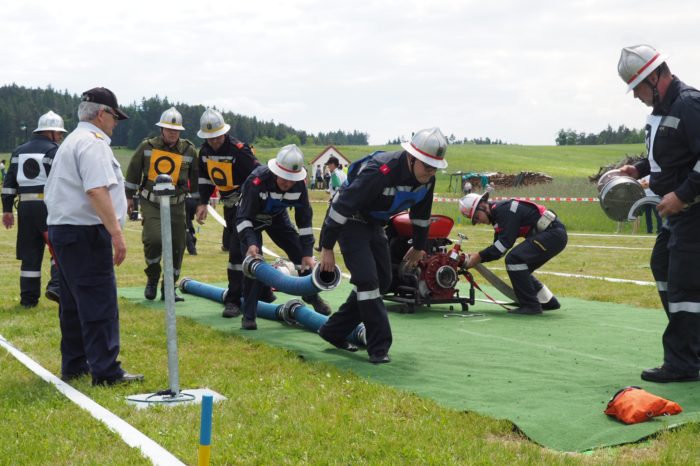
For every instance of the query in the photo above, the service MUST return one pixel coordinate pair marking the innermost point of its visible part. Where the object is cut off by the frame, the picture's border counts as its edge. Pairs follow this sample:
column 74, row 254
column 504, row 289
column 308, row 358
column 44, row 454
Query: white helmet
column 171, row 119
column 429, row 146
column 469, row 203
column 50, row 121
column 637, row 62
column 212, row 124
column 289, row 163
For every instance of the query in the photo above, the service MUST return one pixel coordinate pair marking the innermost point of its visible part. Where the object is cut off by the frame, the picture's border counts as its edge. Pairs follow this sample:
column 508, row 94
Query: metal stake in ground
column 165, row 190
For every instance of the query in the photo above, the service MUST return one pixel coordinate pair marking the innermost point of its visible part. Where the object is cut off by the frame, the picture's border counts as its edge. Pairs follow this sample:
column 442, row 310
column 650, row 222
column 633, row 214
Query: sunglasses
column 114, row 115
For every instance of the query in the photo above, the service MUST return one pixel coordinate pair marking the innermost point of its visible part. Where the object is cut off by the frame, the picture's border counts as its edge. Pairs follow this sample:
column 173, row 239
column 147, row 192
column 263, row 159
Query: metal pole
column 165, row 189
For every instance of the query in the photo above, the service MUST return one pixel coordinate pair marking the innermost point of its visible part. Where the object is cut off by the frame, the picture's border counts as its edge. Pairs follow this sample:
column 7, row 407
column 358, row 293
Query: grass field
column 287, row 411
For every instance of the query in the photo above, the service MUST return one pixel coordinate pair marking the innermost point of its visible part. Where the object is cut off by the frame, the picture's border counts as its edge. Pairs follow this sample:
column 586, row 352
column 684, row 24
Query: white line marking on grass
column 607, row 247
column 614, row 235
column 624, row 327
column 131, row 436
column 590, row 277
column 549, row 347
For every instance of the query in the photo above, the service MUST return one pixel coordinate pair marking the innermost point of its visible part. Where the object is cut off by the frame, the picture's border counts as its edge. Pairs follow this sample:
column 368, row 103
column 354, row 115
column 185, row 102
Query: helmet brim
column 214, row 134
column 50, row 128
column 437, row 163
column 169, row 126
column 287, row 175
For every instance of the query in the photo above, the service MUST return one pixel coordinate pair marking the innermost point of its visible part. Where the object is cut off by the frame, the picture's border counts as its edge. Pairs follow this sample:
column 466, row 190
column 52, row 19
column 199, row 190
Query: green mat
column 551, row 375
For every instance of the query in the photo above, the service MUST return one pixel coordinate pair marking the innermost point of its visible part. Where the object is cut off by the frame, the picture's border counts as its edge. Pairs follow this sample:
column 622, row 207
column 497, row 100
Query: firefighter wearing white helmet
column 673, row 163
column 544, row 237
column 267, row 195
column 377, row 187
column 170, row 154
column 28, row 170
column 224, row 164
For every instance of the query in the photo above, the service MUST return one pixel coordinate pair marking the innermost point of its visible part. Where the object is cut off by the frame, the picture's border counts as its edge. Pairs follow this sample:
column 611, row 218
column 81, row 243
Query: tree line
column 21, row 107
column 622, row 135
column 452, row 139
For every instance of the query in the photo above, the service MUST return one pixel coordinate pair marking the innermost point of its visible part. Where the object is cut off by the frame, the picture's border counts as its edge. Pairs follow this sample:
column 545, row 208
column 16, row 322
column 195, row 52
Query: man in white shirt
column 86, row 204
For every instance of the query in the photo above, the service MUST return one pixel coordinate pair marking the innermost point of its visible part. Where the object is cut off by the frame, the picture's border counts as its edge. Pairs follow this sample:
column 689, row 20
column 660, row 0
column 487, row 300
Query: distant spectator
column 318, row 177
column 467, row 187
column 2, row 170
column 337, row 176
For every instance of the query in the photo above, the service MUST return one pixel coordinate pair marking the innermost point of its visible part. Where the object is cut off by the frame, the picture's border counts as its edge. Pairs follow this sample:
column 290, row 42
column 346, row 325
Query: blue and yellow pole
column 205, row 431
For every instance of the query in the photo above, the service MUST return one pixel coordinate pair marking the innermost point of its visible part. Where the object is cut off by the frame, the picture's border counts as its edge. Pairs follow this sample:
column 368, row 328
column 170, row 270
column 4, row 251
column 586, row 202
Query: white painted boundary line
column 131, row 436
column 590, row 277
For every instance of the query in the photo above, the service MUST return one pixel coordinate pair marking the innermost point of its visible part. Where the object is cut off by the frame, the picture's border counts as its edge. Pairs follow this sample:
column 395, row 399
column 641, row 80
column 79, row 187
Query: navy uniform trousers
column 365, row 249
column 234, row 270
column 88, row 312
column 283, row 234
column 31, row 228
column 674, row 264
column 529, row 256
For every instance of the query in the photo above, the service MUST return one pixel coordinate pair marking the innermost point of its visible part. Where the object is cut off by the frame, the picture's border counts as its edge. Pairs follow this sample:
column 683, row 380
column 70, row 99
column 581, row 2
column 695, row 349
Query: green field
column 338, row 418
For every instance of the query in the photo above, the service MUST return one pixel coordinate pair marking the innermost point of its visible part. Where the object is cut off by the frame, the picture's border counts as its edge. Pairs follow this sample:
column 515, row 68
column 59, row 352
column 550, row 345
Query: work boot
column 340, row 344
column 551, row 305
column 379, row 358
column 318, row 303
column 267, row 295
column 52, row 294
column 248, row 324
column 191, row 244
column 231, row 310
column 665, row 374
column 529, row 311
column 178, row 298
column 151, row 289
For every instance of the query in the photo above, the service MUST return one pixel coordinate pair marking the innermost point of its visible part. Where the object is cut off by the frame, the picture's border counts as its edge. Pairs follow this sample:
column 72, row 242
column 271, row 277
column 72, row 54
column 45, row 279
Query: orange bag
column 632, row 405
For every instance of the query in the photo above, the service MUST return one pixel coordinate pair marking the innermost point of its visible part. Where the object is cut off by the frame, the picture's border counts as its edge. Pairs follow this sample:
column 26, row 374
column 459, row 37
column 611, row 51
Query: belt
column 31, row 197
column 231, row 200
column 149, row 196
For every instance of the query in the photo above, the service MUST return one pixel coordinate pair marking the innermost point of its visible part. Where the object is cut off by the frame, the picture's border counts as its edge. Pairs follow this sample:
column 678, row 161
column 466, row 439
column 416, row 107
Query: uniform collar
column 672, row 92
column 92, row 128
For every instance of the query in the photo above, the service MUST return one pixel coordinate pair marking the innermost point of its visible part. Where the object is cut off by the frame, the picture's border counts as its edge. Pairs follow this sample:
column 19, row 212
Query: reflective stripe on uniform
column 9, row 191
column 205, row 181
column 152, row 261
column 514, row 206
column 516, row 267
column 544, row 295
column 231, row 266
column 131, row 185
column 31, row 197
column 500, row 246
column 243, row 225
column 336, row 217
column 306, row 231
column 368, row 295
column 420, row 223
column 30, row 274
column 685, row 306
column 696, row 168
column 662, row 286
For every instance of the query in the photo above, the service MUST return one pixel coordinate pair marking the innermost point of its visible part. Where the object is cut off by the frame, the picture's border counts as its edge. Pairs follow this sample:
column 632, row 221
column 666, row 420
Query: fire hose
column 293, row 312
column 256, row 268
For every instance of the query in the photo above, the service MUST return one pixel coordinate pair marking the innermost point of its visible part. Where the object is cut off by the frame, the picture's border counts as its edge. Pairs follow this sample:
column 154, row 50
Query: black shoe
column 178, row 298
column 551, row 305
column 231, row 310
column 529, row 311
column 340, row 344
column 249, row 324
column 664, row 374
column 71, row 377
column 379, row 358
column 318, row 304
column 52, row 295
column 267, row 295
column 29, row 305
column 150, row 291
column 125, row 378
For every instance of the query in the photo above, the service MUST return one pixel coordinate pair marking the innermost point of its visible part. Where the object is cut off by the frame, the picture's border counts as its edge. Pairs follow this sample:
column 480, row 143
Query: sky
column 518, row 71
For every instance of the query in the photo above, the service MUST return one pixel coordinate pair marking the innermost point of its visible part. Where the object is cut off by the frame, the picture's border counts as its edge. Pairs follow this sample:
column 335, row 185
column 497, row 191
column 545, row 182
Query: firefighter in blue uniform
column 224, row 163
column 673, row 163
column 30, row 165
column 266, row 196
column 377, row 187
column 544, row 237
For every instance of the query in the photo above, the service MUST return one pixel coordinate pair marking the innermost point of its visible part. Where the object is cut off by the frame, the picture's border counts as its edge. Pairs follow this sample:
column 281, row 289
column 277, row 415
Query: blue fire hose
column 256, row 268
column 293, row 312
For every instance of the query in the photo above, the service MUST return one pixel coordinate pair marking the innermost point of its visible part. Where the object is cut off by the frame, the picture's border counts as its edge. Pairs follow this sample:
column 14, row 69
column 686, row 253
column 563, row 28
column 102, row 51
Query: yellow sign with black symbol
column 221, row 174
column 163, row 162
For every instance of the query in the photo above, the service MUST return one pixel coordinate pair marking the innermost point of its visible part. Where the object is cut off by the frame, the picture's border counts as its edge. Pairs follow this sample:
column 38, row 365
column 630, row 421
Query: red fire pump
column 434, row 280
